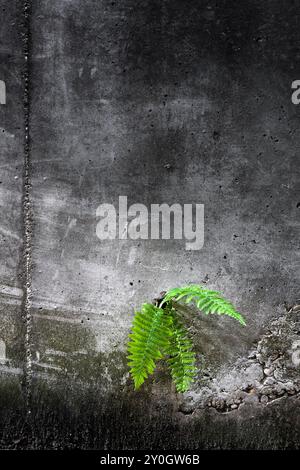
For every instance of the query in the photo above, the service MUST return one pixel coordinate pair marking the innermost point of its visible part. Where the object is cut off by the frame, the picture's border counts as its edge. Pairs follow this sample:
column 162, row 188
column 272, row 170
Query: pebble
column 259, row 357
column 269, row 381
column 264, row 399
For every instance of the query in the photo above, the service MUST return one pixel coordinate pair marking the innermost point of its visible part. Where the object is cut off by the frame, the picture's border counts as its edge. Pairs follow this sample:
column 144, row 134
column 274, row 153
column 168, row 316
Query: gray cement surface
column 175, row 102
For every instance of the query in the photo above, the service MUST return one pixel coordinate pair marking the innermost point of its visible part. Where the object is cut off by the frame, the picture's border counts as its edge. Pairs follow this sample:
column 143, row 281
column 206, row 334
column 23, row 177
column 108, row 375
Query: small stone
column 220, row 403
column 259, row 357
column 289, row 387
column 233, row 407
column 264, row 399
column 269, row 381
column 268, row 371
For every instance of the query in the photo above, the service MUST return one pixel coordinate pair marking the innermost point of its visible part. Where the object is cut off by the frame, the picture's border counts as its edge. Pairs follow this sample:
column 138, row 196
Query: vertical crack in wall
column 27, row 209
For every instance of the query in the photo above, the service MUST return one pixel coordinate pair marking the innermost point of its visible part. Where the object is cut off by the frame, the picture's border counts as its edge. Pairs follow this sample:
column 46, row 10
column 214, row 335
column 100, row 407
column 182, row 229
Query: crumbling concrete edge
column 269, row 373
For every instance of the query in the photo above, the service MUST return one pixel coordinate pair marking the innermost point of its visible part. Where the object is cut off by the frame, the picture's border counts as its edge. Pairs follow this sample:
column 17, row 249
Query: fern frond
column 149, row 337
column 182, row 359
column 208, row 301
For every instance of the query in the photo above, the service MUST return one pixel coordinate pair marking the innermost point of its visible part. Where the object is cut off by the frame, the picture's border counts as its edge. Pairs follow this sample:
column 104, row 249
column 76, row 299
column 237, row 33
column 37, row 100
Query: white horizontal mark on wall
column 2, row 92
column 11, row 291
column 2, row 351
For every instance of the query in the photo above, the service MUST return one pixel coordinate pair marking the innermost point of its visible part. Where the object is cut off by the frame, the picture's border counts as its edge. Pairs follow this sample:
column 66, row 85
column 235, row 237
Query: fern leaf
column 182, row 359
column 208, row 301
column 150, row 335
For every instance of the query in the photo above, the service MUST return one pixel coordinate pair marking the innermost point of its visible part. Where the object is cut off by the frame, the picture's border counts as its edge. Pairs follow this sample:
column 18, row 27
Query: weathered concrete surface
column 12, row 404
column 163, row 102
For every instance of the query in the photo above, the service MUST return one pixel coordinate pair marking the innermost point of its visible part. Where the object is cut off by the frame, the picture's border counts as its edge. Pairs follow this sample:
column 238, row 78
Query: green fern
column 208, row 301
column 181, row 357
column 157, row 332
column 149, row 337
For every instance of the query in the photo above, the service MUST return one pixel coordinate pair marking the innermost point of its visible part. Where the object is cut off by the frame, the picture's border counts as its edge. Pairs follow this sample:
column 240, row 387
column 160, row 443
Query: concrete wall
column 186, row 102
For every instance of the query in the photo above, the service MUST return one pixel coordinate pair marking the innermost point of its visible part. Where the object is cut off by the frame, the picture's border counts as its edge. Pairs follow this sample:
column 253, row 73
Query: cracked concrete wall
column 163, row 102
